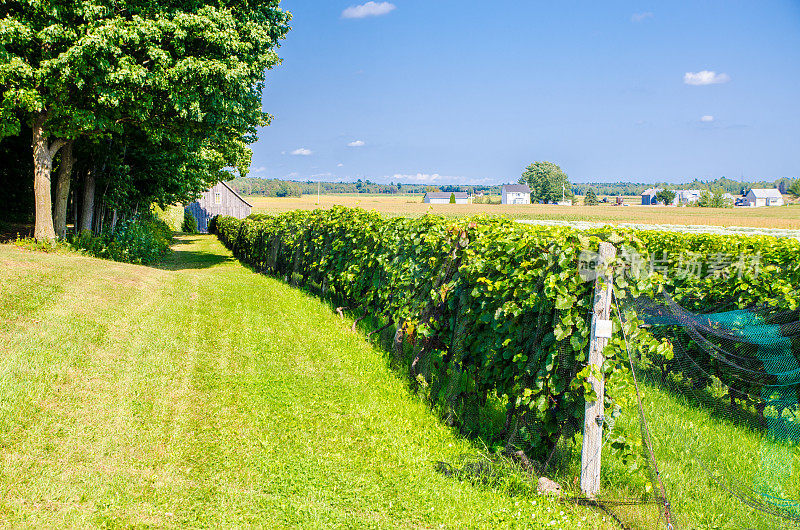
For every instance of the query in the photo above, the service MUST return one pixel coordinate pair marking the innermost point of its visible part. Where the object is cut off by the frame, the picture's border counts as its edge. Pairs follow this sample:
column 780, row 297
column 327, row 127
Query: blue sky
column 441, row 91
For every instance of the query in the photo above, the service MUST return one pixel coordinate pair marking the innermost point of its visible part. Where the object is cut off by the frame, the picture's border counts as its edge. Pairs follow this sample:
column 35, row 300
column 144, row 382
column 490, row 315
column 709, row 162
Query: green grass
column 203, row 394
column 683, row 432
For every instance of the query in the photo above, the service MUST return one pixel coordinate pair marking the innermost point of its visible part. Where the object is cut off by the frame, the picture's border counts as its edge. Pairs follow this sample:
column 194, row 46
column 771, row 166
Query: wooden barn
column 218, row 200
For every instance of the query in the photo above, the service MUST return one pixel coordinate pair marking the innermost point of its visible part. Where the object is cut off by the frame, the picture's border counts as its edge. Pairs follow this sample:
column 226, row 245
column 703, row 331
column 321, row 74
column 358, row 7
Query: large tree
column 181, row 72
column 547, row 181
column 665, row 197
column 591, row 198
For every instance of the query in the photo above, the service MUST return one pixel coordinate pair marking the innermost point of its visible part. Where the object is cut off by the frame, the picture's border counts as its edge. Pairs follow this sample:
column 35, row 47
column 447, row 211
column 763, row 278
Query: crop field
column 784, row 217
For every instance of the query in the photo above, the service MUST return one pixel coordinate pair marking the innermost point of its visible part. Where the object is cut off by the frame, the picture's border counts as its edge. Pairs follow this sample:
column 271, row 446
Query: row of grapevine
column 498, row 310
column 490, row 309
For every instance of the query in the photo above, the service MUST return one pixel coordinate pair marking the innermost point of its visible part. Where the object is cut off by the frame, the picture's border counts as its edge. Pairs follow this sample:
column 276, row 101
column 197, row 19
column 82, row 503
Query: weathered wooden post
column 600, row 333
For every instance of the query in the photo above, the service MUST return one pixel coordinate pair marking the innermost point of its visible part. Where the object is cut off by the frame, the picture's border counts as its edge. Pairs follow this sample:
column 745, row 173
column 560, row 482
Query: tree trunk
column 74, row 210
column 62, row 190
column 43, row 153
column 87, row 205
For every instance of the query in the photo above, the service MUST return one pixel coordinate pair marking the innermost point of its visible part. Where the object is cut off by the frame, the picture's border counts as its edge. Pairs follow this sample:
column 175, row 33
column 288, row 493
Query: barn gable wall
column 205, row 207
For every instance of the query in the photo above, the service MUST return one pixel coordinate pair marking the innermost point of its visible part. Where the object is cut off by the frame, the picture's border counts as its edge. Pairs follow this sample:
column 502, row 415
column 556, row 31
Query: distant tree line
column 727, row 185
column 266, row 187
column 547, row 181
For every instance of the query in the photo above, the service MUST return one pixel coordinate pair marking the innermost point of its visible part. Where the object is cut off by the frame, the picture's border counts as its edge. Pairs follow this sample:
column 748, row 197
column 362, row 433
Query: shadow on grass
column 180, row 259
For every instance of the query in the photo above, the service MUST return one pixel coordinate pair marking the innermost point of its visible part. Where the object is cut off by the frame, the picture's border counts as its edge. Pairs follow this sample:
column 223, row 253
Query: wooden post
column 601, row 332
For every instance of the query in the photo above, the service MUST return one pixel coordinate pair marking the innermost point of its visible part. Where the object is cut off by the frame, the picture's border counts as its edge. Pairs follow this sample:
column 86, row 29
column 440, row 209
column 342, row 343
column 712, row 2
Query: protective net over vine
column 734, row 376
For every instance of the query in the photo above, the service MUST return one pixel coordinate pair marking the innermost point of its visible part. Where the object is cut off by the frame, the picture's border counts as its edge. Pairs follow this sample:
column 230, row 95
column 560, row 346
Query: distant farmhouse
column 681, row 196
column 764, row 197
column 218, row 200
column 515, row 194
column 443, row 197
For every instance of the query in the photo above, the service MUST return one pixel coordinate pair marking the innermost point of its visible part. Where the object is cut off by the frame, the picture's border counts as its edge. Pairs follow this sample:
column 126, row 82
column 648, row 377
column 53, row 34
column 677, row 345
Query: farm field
column 784, row 217
column 203, row 394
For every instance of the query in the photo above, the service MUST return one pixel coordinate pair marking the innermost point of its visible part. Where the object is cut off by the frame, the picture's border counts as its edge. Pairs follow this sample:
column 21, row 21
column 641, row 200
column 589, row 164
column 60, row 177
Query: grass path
column 202, row 394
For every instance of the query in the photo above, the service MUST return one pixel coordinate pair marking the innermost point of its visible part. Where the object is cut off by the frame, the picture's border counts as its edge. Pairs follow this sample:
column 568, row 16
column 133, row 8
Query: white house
column 515, row 194
column 764, row 197
column 443, row 197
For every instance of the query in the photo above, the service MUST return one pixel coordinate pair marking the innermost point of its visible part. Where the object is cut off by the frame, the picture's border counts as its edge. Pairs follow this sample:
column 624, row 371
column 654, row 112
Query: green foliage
column 212, row 224
column 793, row 189
column 288, row 189
column 45, row 245
column 547, row 181
column 164, row 96
column 189, row 225
column 145, row 240
column 590, row 199
column 487, row 199
column 172, row 215
column 452, row 198
column 508, row 298
column 713, row 199
column 665, row 196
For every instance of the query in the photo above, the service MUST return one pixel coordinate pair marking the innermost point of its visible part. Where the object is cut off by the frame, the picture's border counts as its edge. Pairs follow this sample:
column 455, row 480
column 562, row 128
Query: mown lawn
column 203, row 394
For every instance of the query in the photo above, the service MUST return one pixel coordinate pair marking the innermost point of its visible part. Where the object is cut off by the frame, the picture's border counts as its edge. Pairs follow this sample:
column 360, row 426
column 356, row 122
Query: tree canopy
column 715, row 198
column 547, row 181
column 590, row 199
column 665, row 196
column 174, row 87
column 794, row 188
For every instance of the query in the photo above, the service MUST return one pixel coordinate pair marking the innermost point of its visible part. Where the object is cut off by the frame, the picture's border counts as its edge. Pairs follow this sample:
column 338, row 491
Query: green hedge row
column 487, row 308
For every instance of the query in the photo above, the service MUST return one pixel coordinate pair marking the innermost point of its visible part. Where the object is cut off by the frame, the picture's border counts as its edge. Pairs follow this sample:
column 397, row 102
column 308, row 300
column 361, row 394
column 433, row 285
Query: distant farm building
column 218, row 200
column 516, row 194
column 443, row 197
column 764, row 197
column 687, row 196
column 649, row 196
column 681, row 196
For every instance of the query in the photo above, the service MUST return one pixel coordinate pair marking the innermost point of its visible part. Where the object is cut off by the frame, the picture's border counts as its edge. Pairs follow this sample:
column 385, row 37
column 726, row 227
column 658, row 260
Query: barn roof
column 234, row 192
column 446, row 194
column 516, row 188
column 763, row 193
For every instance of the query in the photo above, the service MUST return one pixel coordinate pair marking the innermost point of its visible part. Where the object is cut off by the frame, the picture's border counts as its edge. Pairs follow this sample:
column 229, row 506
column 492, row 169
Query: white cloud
column 640, row 17
column 356, row 143
column 707, row 118
column 370, row 9
column 705, row 77
column 258, row 170
column 339, row 164
column 302, row 151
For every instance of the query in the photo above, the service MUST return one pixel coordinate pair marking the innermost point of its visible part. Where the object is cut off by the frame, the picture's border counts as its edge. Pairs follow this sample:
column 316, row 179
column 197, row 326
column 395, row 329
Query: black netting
column 720, row 400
